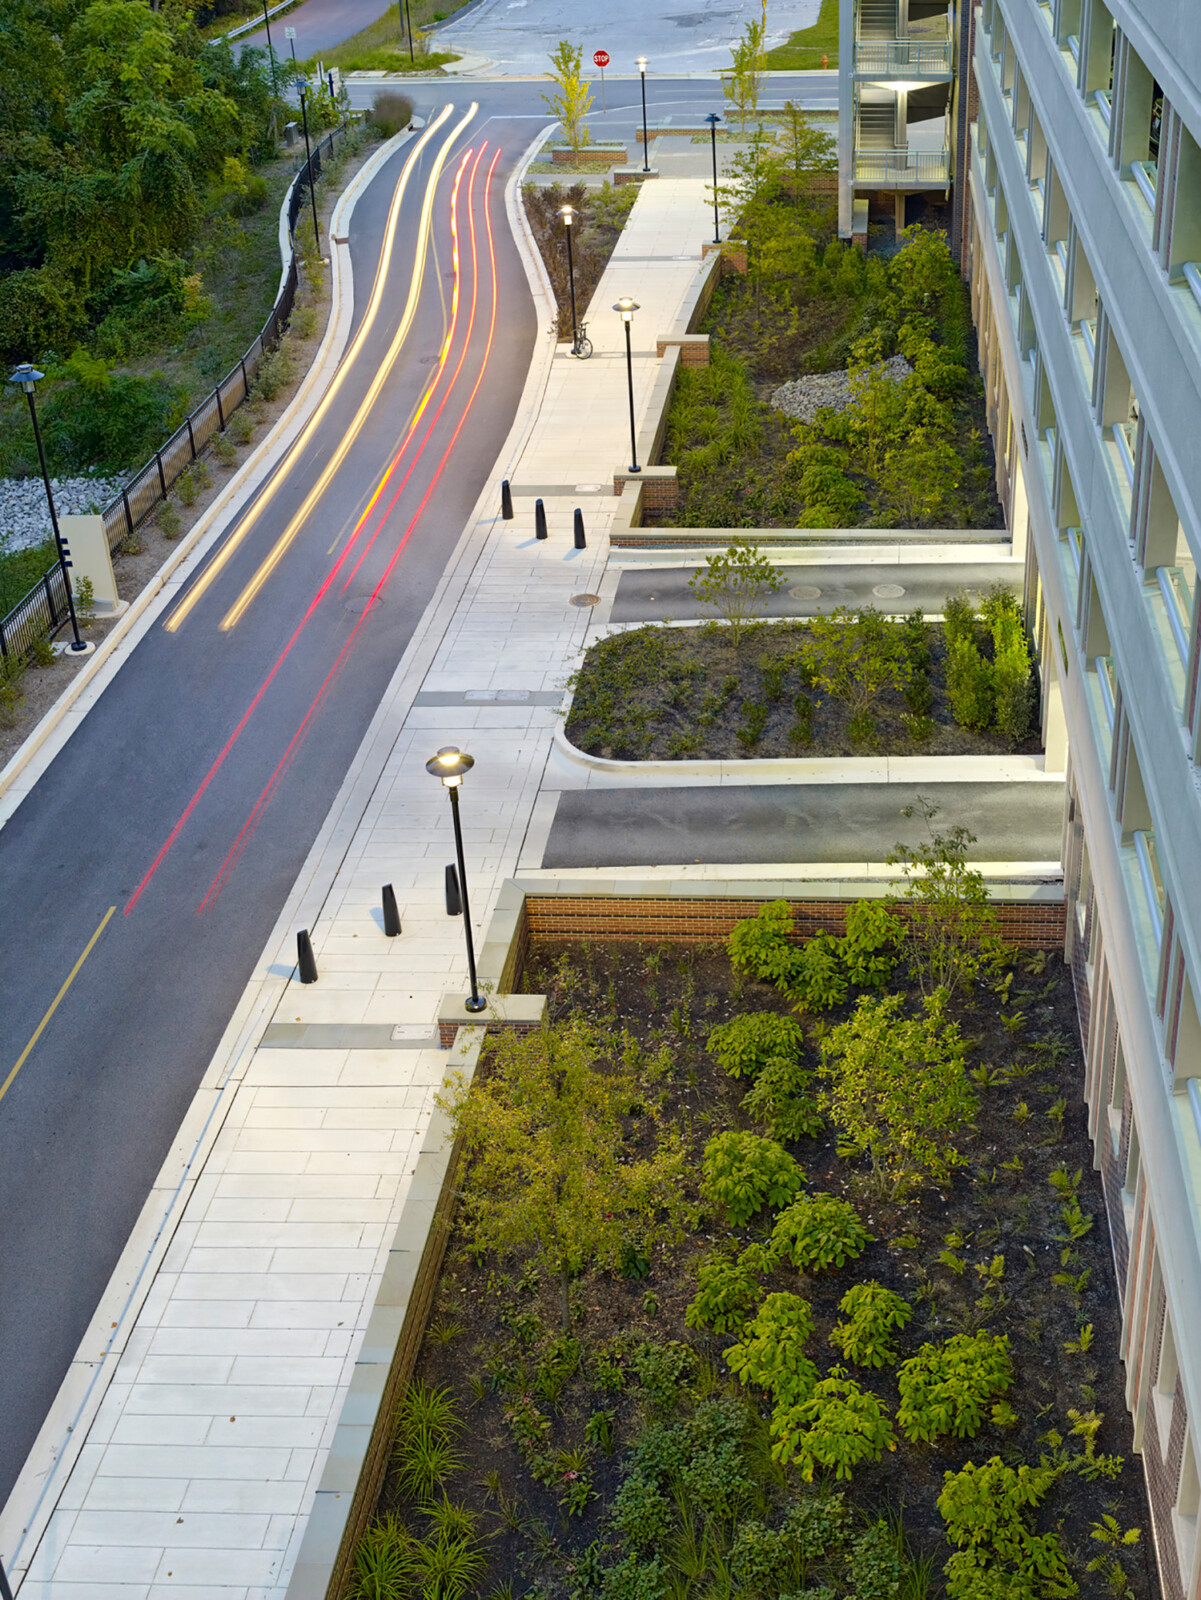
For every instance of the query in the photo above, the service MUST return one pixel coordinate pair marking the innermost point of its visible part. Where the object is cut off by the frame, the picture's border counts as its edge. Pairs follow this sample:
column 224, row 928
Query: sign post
column 601, row 59
column 290, row 36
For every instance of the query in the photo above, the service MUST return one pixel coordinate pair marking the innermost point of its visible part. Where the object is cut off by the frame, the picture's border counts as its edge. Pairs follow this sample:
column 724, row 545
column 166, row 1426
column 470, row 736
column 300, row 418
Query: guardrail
column 257, row 22
column 907, row 58
column 41, row 613
column 901, row 166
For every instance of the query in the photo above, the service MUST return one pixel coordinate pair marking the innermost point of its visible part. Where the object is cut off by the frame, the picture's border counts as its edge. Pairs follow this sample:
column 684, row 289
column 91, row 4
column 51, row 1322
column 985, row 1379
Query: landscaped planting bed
column 749, row 1303
column 849, row 685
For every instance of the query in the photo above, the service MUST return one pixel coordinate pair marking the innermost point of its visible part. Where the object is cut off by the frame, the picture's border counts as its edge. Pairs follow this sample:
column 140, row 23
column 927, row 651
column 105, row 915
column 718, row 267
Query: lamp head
column 713, row 119
column 27, row 377
column 450, row 765
column 568, row 215
column 626, row 307
column 642, row 65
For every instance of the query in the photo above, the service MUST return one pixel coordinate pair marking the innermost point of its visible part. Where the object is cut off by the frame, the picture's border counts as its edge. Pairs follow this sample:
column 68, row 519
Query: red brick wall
column 1161, row 1462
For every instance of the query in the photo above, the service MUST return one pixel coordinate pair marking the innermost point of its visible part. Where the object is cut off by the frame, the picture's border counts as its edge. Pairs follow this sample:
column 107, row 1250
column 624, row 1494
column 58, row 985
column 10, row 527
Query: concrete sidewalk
column 186, row 1459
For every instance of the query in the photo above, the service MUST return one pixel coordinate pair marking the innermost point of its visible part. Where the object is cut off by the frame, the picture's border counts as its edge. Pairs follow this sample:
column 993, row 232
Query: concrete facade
column 1082, row 228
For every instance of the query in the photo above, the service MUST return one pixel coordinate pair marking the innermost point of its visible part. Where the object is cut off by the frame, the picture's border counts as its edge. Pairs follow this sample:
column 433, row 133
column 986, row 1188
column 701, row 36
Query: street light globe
column 568, row 214
column 27, row 377
column 450, row 765
column 627, row 307
column 642, row 65
column 712, row 119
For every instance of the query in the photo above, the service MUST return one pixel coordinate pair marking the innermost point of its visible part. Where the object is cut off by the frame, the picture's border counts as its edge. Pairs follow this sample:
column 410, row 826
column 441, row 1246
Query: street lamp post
column 568, row 215
column 27, row 377
column 309, row 162
column 713, row 119
column 270, row 50
column 450, row 766
column 627, row 308
column 646, row 152
column 409, row 17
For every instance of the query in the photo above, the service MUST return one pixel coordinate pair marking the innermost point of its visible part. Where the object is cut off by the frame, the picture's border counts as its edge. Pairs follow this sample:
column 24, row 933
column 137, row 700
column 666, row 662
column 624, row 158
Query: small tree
column 574, row 98
column 860, row 654
column 802, row 148
column 551, row 1171
column 733, row 582
column 953, row 929
column 899, row 1089
column 743, row 83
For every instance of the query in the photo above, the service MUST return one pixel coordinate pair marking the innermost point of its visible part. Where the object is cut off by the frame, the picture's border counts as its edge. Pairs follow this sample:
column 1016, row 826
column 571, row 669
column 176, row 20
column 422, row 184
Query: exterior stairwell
column 877, row 19
column 877, row 125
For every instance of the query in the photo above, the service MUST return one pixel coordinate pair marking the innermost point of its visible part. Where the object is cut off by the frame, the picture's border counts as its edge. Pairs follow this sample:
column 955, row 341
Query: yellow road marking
column 214, row 567
column 235, row 613
column 54, row 1004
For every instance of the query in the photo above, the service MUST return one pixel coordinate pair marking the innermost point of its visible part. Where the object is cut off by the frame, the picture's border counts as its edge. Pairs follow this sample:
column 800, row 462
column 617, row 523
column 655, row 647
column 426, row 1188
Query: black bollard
column 305, row 959
column 454, row 900
column 580, row 542
column 391, row 912
column 539, row 520
column 506, row 501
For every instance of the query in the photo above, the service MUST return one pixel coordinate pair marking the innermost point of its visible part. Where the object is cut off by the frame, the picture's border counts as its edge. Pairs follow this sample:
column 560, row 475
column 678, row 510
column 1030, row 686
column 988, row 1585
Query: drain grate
column 889, row 591
column 584, row 600
column 805, row 591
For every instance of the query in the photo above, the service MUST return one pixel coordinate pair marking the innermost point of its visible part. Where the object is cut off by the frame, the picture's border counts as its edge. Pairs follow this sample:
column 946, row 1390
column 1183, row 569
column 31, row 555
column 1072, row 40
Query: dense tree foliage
column 118, row 124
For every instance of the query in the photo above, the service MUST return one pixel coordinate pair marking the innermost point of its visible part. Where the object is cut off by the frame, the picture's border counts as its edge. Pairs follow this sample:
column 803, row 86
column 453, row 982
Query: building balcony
column 902, row 169
column 910, row 60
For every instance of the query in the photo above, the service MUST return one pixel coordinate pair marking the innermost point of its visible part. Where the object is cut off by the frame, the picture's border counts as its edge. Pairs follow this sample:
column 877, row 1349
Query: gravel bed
column 25, row 517
column 803, row 398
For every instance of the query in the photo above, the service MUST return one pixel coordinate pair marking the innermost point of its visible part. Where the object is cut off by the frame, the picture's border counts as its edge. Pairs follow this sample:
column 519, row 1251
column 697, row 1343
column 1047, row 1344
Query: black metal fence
column 43, row 611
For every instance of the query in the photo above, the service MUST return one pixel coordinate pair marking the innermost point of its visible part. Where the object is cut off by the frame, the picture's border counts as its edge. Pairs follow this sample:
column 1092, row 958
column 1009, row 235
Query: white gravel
column 25, row 517
column 803, row 398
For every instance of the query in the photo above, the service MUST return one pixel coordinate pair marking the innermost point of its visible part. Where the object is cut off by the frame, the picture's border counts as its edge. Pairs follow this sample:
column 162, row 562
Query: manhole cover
column 805, row 591
column 358, row 603
column 889, row 591
column 584, row 600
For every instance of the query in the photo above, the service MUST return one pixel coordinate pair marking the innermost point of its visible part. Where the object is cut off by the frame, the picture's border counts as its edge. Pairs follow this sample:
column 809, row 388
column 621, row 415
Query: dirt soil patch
column 673, row 694
column 601, row 215
column 494, row 1333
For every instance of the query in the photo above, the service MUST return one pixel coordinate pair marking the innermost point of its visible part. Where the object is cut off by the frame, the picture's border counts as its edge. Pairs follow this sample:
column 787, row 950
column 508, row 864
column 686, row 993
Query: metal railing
column 43, row 611
column 901, row 166
column 904, row 58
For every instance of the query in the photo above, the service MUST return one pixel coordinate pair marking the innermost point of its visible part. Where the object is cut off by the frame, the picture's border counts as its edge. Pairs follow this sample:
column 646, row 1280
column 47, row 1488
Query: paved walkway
column 186, row 1460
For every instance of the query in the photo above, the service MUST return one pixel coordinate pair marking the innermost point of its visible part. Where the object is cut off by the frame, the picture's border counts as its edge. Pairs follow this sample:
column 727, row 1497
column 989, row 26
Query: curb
column 601, row 772
column 213, row 524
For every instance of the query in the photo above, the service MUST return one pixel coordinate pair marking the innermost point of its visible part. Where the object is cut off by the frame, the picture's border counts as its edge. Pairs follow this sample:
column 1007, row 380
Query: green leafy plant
column 743, row 1173
column 598, row 1430
column 870, row 946
column 727, row 1292
column 947, row 1388
column 818, row 1231
column 1082, row 1343
column 745, row 1045
column 781, row 1100
column 1108, row 1563
column 818, row 981
column 871, row 1315
column 762, row 946
column 952, row 927
column 383, row 1561
column 986, row 1510
column 663, row 1370
column 733, row 581
column 899, row 1089
column 771, row 1351
column 838, row 1427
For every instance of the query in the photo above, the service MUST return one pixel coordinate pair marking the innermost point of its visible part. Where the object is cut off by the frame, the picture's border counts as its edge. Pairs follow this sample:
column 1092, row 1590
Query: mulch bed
column 493, row 1319
column 655, row 694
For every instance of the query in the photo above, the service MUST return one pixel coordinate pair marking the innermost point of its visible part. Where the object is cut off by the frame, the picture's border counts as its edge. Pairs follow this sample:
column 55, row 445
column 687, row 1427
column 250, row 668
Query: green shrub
column 818, row 1231
column 111, row 421
column 761, row 946
column 771, row 1352
column 869, row 947
column 801, row 732
column 987, row 1511
column 276, row 371
column 948, row 1388
column 1012, row 674
column 958, row 619
column 875, row 1564
column 970, row 685
column 871, row 1313
column 818, row 981
column 390, row 113
column 713, row 1478
column 41, row 310
column 781, row 1101
column 21, row 569
column 641, row 1512
column 727, row 1292
column 748, row 1042
column 663, row 1371
column 743, row 1173
column 636, row 1579
column 169, row 520
column 838, row 1427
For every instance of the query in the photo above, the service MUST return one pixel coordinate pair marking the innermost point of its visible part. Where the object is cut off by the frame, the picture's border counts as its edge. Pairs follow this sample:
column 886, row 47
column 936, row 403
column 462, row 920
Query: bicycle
column 582, row 348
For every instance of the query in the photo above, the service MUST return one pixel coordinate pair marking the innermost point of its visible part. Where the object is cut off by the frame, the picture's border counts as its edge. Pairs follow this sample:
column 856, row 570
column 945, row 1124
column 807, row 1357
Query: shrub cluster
column 997, row 692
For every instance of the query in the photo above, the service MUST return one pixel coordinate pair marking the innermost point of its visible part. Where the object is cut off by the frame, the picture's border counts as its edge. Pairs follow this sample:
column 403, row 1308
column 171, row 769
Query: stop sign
column 601, row 58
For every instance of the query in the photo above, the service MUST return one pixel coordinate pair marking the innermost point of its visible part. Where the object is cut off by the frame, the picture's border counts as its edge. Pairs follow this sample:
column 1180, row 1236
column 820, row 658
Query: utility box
column 87, row 543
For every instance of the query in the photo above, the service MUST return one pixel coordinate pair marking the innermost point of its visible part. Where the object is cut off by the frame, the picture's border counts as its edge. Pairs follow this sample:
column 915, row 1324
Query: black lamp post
column 627, row 308
column 27, row 378
column 309, row 161
column 713, row 119
column 270, row 50
column 568, row 215
column 409, row 17
column 450, row 766
column 646, row 152
column 5, row 1592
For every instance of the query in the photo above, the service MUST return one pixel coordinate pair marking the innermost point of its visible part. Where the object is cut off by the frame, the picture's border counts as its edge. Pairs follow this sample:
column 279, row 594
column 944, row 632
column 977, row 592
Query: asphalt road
column 814, row 822
column 661, row 594
column 319, row 24
column 88, row 1119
